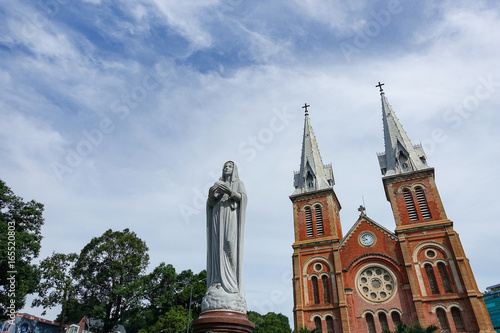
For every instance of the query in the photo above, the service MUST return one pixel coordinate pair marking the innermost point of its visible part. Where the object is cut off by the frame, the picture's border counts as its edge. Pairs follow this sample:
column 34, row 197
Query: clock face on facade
column 367, row 239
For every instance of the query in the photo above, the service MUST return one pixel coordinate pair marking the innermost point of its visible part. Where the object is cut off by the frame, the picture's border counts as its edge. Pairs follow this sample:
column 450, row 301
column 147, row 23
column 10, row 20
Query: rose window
column 376, row 284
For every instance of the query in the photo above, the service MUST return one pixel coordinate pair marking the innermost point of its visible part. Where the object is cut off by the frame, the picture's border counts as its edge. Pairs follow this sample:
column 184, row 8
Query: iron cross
column 305, row 107
column 379, row 85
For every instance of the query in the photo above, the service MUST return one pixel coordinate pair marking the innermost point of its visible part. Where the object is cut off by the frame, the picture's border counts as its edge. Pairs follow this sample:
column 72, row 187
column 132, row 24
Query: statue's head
column 228, row 171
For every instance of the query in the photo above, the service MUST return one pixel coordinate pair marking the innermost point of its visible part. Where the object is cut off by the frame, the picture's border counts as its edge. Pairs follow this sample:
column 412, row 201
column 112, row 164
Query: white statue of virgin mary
column 226, row 206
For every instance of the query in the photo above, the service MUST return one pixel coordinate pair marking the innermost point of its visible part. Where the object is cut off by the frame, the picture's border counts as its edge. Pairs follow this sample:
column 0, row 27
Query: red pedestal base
column 223, row 321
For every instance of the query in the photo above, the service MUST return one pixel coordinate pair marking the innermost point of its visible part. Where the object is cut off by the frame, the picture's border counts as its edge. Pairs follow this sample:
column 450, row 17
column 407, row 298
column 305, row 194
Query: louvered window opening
column 444, row 277
column 319, row 220
column 314, row 281
column 326, row 288
column 443, row 320
column 410, row 205
column 431, row 278
column 309, row 223
column 422, row 203
column 370, row 323
column 457, row 319
column 329, row 324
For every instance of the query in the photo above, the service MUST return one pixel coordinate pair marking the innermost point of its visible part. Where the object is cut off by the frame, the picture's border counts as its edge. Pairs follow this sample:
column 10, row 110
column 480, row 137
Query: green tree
column 57, row 285
column 108, row 272
column 163, row 289
column 20, row 237
column 174, row 321
column 403, row 328
column 269, row 323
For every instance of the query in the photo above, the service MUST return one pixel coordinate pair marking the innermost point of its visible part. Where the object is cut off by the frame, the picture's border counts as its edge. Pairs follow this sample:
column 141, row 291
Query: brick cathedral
column 372, row 278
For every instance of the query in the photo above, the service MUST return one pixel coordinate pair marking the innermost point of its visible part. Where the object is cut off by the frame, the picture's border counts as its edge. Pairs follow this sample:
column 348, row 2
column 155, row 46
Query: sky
column 121, row 114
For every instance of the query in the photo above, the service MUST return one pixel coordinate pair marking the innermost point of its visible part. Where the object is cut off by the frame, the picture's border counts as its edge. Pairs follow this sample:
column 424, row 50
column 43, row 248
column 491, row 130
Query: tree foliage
column 108, row 272
column 162, row 290
column 57, row 285
column 174, row 320
column 270, row 322
column 20, row 237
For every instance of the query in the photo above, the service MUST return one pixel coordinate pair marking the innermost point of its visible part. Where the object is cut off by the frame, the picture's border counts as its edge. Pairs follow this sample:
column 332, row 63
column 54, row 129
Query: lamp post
column 190, row 300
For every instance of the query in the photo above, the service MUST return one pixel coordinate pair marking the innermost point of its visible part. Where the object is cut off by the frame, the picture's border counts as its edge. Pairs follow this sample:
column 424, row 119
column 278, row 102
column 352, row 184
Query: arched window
column 329, row 324
column 319, row 220
column 370, row 323
column 309, row 222
column 382, row 318
column 443, row 320
column 457, row 319
column 410, row 205
column 317, row 323
column 396, row 318
column 444, row 277
column 326, row 288
column 422, row 203
column 431, row 278
column 314, row 281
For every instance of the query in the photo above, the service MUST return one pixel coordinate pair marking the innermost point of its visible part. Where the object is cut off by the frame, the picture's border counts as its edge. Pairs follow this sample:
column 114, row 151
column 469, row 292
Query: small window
column 329, row 324
column 317, row 324
column 422, row 203
column 429, row 271
column 314, row 281
column 396, row 318
column 410, row 205
column 370, row 323
column 309, row 223
column 444, row 277
column 326, row 288
column 319, row 220
column 382, row 318
column 443, row 320
column 457, row 319
column 310, row 181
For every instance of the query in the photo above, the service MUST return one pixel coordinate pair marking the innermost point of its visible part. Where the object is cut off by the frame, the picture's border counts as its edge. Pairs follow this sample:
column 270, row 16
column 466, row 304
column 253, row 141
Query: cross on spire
column 361, row 210
column 379, row 85
column 305, row 107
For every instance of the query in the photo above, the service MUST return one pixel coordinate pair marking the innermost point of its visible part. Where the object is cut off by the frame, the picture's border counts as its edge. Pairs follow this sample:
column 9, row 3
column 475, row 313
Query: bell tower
column 317, row 273
column 444, row 291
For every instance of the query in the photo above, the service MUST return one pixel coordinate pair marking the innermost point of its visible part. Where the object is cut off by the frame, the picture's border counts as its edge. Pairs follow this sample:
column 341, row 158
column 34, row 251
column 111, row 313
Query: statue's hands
column 224, row 188
column 212, row 190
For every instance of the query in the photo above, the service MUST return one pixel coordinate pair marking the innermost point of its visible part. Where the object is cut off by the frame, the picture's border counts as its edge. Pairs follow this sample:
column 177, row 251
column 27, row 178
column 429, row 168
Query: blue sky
column 120, row 114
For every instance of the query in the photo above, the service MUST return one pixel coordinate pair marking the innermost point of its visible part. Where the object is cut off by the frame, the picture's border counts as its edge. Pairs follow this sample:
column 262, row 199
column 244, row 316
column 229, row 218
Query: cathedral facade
column 372, row 278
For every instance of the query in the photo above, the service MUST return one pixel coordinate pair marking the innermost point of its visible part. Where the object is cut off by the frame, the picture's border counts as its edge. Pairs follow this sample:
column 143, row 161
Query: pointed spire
column 400, row 155
column 313, row 175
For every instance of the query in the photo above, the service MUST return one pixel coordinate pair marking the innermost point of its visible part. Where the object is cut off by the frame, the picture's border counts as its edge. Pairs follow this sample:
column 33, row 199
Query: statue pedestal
column 223, row 321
